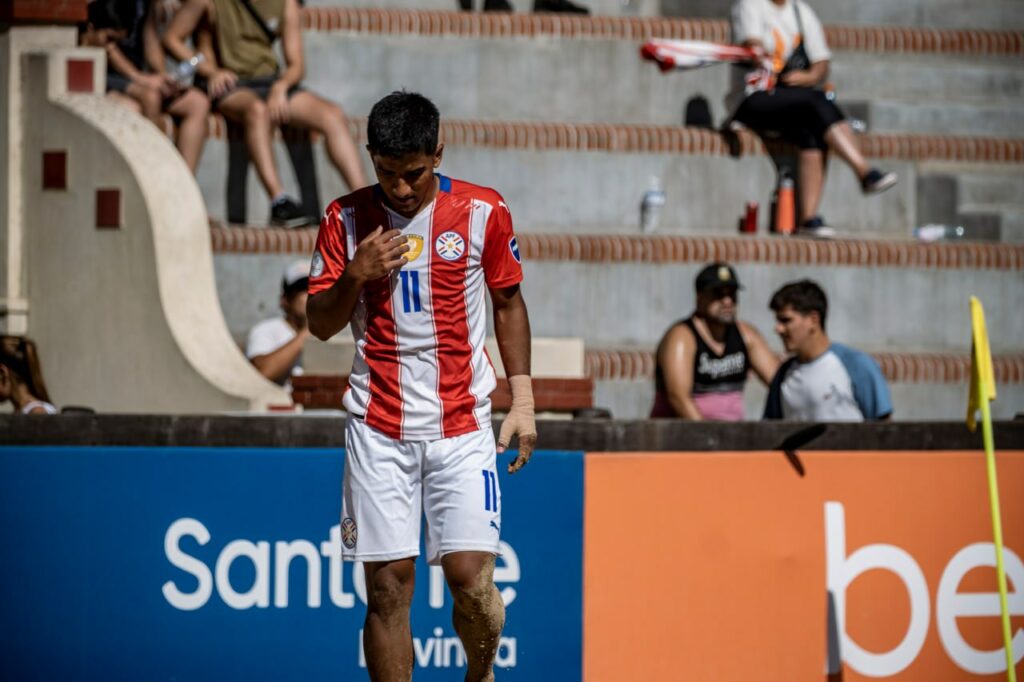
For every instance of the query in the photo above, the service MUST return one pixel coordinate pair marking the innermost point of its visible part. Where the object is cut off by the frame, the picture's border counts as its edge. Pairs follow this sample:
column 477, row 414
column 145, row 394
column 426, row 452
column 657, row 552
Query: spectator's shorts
column 799, row 115
column 391, row 484
column 260, row 85
column 117, row 82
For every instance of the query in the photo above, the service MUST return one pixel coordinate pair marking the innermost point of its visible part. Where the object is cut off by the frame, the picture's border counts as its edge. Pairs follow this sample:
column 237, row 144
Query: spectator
column 275, row 345
column 797, row 108
column 703, row 361
column 21, row 378
column 823, row 381
column 137, row 72
column 246, row 85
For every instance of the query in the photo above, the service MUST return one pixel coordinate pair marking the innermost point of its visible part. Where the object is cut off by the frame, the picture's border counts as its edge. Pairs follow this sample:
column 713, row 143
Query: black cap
column 716, row 275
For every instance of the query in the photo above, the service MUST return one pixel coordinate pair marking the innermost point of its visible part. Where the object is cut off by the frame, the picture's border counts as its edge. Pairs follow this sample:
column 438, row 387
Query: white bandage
column 520, row 418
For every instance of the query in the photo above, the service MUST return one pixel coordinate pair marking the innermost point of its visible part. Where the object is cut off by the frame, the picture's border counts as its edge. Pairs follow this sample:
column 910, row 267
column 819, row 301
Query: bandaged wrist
column 521, row 386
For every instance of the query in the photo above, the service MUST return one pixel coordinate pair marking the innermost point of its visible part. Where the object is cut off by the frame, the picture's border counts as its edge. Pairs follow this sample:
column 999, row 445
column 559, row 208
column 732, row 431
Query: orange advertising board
column 821, row 566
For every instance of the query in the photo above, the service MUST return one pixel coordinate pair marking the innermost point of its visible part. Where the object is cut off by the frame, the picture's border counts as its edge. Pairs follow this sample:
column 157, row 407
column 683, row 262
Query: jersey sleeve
column 329, row 255
column 501, row 261
column 870, row 389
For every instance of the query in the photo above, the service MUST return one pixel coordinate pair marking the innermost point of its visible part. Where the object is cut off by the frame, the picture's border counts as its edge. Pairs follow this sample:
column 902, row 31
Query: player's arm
column 330, row 311
column 764, row 362
column 512, row 329
column 676, row 355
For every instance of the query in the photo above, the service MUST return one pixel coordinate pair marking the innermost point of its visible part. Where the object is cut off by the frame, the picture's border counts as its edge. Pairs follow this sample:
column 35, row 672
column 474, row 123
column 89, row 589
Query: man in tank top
column 703, row 361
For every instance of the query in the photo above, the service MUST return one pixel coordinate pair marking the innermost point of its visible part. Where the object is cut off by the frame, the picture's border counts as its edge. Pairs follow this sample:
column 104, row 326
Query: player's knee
column 470, row 587
column 390, row 592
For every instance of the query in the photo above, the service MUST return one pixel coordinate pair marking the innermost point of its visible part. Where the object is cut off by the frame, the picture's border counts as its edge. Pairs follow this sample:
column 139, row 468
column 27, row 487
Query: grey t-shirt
column 842, row 384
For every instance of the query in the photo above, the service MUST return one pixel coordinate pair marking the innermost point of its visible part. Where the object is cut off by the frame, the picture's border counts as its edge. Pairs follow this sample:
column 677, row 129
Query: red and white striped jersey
column 420, row 370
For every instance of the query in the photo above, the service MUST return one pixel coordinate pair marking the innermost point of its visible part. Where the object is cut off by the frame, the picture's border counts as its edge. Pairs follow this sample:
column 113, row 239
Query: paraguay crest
column 348, row 532
column 415, row 247
column 450, row 245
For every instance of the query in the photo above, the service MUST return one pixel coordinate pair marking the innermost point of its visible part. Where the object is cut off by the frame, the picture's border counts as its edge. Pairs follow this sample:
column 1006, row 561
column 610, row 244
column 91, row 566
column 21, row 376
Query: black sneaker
column 498, row 6
column 559, row 7
column 816, row 229
column 285, row 212
column 876, row 181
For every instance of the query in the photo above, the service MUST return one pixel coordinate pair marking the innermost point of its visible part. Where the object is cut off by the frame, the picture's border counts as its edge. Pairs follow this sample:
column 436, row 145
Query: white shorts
column 391, row 484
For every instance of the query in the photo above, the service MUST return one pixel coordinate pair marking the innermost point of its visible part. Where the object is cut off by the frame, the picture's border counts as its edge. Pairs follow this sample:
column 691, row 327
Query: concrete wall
column 126, row 317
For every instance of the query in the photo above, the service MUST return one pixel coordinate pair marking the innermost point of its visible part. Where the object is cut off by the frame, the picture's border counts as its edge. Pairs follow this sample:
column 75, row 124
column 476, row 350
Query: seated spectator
column 21, row 378
column 823, row 381
column 275, row 345
column 247, row 86
column 137, row 74
column 797, row 108
column 703, row 361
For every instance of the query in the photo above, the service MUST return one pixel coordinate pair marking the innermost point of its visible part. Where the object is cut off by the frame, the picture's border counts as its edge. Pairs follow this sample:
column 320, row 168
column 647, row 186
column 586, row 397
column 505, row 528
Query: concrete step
column 983, row 198
column 632, row 399
column 604, row 80
column 991, row 14
column 1002, row 119
column 583, row 191
column 623, row 291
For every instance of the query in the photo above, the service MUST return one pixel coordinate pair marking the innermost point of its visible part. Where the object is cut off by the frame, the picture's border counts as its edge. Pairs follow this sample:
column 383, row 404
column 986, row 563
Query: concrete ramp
column 117, row 267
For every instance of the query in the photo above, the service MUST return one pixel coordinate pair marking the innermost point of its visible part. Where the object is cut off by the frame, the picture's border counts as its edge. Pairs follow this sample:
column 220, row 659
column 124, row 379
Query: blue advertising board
column 224, row 564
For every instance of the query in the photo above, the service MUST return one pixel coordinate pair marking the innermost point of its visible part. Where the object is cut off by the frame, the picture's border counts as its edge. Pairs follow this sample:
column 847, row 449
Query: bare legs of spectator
column 812, row 166
column 310, row 111
column 245, row 107
column 193, row 108
column 840, row 140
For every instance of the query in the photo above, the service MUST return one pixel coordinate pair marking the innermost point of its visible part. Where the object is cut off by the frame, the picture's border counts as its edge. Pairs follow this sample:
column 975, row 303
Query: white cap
column 296, row 271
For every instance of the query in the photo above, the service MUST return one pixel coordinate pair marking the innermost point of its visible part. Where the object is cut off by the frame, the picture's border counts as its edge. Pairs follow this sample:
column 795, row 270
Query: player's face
column 408, row 181
column 795, row 329
column 719, row 305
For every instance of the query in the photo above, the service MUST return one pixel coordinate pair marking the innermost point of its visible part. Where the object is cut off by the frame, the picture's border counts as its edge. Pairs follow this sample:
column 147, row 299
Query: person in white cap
column 275, row 345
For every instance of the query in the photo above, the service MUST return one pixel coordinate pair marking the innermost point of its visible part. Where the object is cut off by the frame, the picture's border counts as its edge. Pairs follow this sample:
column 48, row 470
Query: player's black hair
column 804, row 296
column 403, row 123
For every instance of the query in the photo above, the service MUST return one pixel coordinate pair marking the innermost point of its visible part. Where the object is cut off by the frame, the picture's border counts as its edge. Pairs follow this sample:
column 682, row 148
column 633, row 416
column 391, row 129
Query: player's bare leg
column 479, row 613
column 387, row 638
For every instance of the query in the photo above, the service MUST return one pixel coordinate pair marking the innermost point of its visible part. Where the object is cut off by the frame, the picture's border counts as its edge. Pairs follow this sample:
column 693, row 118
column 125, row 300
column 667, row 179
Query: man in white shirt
column 797, row 108
column 275, row 345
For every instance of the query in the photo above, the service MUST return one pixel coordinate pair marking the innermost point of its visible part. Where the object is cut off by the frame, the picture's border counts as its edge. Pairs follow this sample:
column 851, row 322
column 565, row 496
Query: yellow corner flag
column 983, row 390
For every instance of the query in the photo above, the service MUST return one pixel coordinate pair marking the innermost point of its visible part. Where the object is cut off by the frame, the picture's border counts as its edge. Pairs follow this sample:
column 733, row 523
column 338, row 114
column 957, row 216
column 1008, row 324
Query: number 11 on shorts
column 490, row 491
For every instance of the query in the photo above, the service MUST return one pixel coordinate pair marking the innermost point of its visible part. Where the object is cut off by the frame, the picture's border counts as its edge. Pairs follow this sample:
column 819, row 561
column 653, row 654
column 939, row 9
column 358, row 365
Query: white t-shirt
column 269, row 335
column 36, row 404
column 777, row 28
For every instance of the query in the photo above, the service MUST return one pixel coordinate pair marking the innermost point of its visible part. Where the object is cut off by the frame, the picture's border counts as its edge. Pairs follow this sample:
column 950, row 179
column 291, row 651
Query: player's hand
column 221, row 82
column 519, row 422
column 277, row 103
column 379, row 254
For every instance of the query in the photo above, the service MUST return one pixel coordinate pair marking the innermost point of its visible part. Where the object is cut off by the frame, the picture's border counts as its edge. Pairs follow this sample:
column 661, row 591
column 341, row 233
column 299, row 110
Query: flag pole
column 983, row 390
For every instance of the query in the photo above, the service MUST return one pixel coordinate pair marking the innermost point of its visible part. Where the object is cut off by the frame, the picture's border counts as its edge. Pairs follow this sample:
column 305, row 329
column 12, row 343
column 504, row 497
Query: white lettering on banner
column 951, row 605
column 447, row 652
column 259, row 593
column 187, row 563
column 841, row 570
column 507, row 570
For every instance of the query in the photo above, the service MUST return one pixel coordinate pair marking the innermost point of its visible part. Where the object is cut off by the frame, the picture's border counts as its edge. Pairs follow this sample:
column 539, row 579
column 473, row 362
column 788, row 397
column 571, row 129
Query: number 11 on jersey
column 410, row 291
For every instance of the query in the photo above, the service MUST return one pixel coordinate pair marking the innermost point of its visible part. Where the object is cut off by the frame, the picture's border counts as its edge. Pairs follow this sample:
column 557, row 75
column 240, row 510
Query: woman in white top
column 789, row 32
column 21, row 380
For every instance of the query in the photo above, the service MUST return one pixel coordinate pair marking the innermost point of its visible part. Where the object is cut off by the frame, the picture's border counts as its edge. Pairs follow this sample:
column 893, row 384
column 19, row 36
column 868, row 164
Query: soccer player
column 407, row 262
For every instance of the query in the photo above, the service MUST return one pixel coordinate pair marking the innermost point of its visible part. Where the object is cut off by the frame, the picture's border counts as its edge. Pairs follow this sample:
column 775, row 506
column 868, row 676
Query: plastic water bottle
column 934, row 232
column 651, row 205
column 185, row 72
